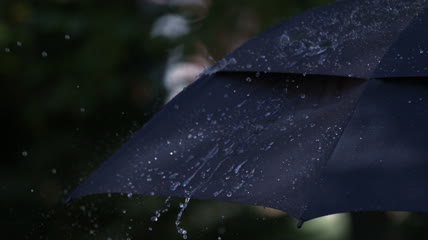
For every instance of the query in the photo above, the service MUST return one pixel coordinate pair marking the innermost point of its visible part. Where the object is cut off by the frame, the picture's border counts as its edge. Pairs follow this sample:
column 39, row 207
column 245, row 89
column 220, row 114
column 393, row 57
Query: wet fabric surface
column 363, row 38
column 380, row 163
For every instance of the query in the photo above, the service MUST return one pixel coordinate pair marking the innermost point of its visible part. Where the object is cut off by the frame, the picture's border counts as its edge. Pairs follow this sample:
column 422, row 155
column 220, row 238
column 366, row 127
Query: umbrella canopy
column 248, row 131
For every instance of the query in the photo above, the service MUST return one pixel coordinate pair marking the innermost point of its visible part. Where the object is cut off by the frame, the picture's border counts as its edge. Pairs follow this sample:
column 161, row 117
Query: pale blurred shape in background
column 179, row 75
column 170, row 26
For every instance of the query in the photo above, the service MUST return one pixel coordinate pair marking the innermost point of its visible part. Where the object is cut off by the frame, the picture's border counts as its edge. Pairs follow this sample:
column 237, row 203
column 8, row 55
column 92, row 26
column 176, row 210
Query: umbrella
column 323, row 113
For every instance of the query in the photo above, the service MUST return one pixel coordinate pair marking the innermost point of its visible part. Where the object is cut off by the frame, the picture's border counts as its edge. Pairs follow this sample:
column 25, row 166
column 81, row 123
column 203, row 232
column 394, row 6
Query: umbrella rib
column 301, row 220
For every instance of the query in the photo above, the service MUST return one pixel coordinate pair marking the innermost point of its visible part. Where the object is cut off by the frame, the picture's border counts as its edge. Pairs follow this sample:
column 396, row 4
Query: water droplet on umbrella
column 215, row 194
column 175, row 185
column 239, row 166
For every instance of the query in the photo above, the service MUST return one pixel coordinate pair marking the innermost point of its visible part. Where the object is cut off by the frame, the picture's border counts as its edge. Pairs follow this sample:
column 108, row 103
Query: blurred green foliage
column 79, row 76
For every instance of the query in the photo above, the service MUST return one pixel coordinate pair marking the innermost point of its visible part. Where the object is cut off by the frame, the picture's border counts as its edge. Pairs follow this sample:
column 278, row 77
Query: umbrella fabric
column 309, row 146
column 250, row 132
column 359, row 38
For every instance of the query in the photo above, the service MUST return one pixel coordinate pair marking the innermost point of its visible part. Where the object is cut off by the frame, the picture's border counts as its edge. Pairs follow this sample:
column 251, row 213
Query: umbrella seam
column 300, row 219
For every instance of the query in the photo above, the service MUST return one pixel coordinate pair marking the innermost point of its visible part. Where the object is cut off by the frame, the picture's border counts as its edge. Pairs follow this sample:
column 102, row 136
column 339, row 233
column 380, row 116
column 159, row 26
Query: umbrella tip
column 300, row 222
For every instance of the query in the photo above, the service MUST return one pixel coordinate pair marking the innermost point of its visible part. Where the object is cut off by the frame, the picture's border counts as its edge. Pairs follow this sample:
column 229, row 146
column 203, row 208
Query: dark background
column 78, row 77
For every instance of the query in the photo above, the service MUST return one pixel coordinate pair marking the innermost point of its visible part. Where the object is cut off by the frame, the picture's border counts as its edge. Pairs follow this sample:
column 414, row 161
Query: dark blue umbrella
column 324, row 113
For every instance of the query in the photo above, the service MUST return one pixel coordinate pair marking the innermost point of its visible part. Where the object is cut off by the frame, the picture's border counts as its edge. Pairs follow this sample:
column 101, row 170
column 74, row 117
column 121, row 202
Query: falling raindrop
column 24, row 153
column 44, row 54
column 53, row 171
column 302, row 96
column 7, row 50
column 19, row 44
column 183, row 207
column 67, row 37
column 248, row 79
column 82, row 110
